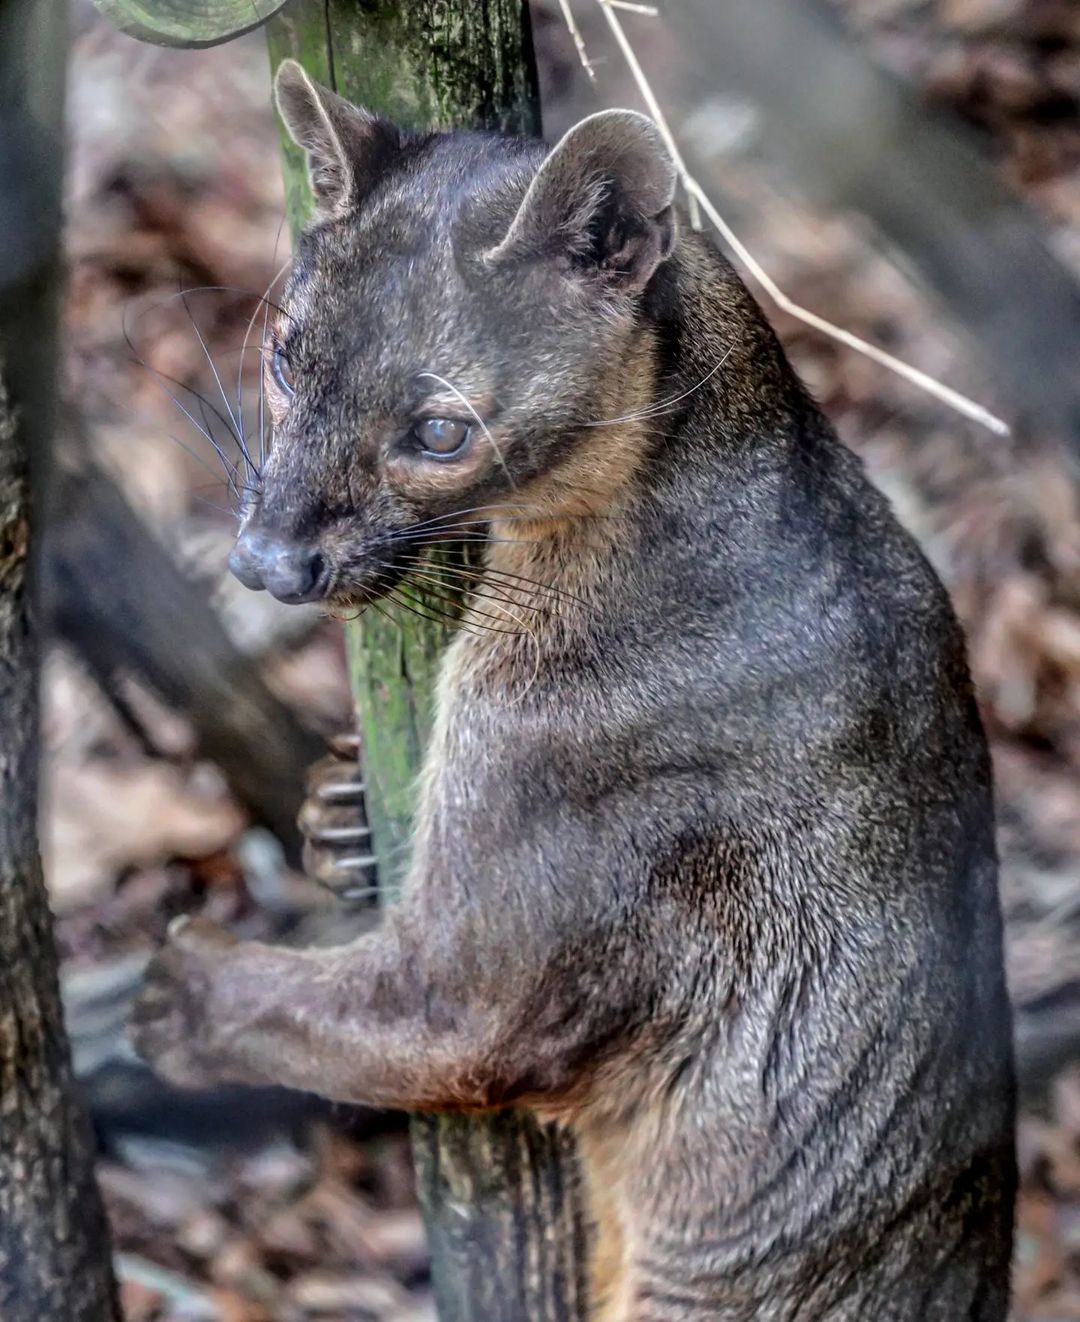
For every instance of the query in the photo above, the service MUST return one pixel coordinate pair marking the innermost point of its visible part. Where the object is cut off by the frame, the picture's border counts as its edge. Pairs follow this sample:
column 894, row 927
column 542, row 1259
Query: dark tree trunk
column 504, row 1214
column 54, row 1244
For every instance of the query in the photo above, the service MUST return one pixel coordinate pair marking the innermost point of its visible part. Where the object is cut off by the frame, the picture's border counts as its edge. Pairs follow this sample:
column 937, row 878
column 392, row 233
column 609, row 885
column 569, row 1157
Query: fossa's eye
column 442, row 438
column 283, row 374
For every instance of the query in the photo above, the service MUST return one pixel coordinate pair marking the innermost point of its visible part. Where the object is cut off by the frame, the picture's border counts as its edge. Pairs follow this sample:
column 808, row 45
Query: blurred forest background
column 179, row 707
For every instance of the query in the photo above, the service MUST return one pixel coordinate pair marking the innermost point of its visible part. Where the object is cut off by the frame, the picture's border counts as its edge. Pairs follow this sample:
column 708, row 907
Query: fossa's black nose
column 291, row 571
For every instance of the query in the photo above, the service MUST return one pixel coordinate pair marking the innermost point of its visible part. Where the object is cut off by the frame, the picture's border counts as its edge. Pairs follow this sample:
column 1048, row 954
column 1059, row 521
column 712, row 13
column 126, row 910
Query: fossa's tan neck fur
column 545, row 562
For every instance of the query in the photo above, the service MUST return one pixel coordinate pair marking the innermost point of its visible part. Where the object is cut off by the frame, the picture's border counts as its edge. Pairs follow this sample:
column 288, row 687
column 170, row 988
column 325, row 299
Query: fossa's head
column 456, row 315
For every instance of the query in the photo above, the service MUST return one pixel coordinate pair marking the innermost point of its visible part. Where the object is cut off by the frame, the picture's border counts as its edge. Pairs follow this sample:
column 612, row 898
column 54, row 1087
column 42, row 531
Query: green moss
column 448, row 63
column 499, row 1194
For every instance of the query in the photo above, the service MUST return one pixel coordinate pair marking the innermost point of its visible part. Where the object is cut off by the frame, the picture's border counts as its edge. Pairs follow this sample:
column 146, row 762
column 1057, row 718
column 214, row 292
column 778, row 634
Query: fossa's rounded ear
column 346, row 146
column 602, row 199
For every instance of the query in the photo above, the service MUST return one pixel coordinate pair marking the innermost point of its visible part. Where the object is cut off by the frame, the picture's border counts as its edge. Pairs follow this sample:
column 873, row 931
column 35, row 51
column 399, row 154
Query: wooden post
column 500, row 1194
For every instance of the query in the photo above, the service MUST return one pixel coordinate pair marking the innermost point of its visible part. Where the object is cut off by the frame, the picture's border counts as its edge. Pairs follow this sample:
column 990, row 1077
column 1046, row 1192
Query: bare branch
column 631, row 8
column 578, row 39
column 700, row 201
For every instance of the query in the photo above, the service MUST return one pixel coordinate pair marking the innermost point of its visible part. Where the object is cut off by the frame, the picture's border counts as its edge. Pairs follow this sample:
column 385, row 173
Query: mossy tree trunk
column 500, row 1195
column 54, row 1243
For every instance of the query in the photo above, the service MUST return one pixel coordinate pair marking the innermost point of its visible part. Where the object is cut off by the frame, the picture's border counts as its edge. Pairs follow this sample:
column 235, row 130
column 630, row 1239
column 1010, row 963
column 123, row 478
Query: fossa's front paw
column 173, row 1023
column 337, row 841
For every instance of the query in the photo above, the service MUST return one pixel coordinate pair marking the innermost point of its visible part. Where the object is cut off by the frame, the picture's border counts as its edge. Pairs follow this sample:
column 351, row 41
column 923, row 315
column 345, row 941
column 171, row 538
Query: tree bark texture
column 54, row 1245
column 501, row 1196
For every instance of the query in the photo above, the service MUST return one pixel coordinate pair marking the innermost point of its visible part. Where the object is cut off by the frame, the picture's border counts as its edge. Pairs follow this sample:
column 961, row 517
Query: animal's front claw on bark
column 337, row 841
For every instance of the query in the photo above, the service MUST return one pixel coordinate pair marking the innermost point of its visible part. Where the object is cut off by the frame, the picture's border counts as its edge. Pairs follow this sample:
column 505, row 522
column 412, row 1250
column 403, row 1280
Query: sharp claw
column 341, row 792
column 354, row 863
column 336, row 792
column 339, row 835
column 360, row 893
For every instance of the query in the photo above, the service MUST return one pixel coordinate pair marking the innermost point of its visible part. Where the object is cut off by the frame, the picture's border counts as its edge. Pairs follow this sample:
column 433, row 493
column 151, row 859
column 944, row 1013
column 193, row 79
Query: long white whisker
column 474, row 592
column 454, row 514
column 237, row 424
column 490, row 579
column 664, row 405
column 230, row 468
